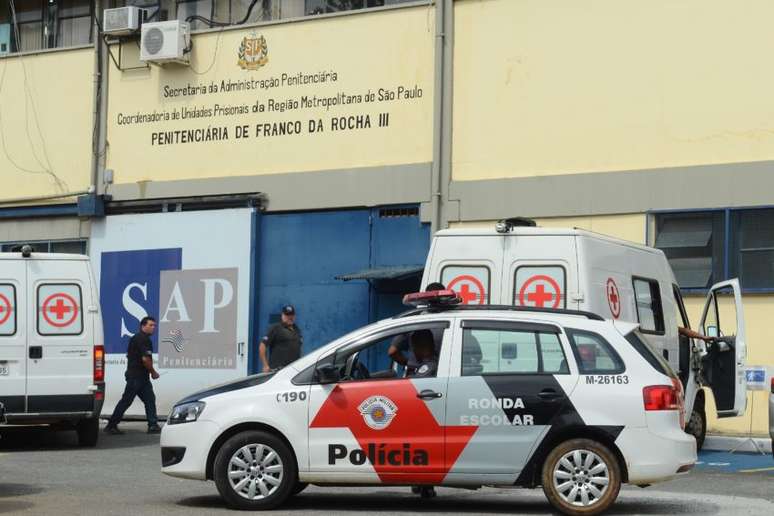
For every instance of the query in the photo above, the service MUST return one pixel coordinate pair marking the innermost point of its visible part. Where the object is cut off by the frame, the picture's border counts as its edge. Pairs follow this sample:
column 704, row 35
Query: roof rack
column 511, row 308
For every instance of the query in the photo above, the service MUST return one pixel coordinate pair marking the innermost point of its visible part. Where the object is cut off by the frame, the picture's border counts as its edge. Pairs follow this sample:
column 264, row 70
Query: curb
column 741, row 444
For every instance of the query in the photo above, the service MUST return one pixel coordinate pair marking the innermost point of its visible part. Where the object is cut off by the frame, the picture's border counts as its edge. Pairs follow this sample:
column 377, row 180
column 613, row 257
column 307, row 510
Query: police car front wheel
column 255, row 470
column 581, row 476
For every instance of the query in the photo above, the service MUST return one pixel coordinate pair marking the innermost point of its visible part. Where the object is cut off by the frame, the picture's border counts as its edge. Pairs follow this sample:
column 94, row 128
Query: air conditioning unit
column 122, row 21
column 165, row 42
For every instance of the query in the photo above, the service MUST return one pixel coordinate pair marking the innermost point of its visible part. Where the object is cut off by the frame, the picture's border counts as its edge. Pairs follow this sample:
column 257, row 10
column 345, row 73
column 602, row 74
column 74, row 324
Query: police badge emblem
column 378, row 412
column 253, row 52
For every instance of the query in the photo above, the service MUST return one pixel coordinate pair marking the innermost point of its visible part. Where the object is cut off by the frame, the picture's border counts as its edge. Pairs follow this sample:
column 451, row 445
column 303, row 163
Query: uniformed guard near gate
column 283, row 340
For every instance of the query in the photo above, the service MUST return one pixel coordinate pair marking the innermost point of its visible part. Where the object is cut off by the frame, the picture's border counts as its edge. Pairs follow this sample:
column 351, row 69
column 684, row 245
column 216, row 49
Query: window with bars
column 52, row 246
column 29, row 25
column 706, row 247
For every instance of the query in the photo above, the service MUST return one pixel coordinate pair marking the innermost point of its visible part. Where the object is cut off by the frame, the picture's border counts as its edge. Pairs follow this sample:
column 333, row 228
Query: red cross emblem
column 540, row 291
column 5, row 309
column 60, row 310
column 469, row 288
column 613, row 298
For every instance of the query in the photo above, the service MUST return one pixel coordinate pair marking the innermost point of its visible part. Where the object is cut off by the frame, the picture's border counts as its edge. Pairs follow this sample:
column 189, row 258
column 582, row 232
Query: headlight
column 186, row 413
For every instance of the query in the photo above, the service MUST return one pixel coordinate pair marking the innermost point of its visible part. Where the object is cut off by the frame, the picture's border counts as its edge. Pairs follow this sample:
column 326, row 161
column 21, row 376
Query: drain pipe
column 447, row 105
column 438, row 121
column 99, row 137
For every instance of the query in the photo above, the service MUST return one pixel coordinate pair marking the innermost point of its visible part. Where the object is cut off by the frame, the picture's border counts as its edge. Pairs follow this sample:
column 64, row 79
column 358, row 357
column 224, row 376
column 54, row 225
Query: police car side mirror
column 326, row 373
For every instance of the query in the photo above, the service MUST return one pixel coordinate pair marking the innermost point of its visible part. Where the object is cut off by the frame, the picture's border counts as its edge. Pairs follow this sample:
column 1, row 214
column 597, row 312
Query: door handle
column 550, row 395
column 36, row 352
column 241, row 349
column 428, row 394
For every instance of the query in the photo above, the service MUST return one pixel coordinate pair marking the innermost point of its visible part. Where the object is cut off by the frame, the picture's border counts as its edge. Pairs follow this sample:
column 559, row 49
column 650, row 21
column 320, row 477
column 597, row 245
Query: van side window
column 494, row 351
column 594, row 354
column 60, row 309
column 540, row 286
column 7, row 310
column 470, row 282
column 650, row 314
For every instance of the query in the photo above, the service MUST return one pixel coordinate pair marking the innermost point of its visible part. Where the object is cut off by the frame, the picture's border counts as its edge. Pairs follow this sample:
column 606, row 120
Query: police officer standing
column 283, row 340
column 139, row 371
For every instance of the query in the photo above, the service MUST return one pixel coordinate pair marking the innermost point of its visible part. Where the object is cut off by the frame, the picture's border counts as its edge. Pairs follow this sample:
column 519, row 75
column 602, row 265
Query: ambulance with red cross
column 515, row 400
column 51, row 352
column 517, row 263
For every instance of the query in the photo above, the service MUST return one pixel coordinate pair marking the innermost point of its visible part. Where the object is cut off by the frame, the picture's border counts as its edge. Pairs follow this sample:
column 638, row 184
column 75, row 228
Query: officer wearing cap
column 283, row 340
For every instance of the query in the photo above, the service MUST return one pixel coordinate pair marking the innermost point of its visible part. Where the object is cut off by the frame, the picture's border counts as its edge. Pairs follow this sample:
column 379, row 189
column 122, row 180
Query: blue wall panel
column 300, row 255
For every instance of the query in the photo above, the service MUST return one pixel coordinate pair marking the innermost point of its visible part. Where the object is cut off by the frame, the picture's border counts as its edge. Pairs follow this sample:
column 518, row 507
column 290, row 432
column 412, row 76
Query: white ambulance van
column 515, row 263
column 51, row 353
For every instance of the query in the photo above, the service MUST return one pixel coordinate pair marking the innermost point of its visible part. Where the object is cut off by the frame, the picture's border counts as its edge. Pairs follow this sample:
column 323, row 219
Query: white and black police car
column 520, row 397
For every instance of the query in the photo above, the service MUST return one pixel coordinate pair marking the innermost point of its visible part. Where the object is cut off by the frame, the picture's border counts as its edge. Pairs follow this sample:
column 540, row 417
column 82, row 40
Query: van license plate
column 4, row 370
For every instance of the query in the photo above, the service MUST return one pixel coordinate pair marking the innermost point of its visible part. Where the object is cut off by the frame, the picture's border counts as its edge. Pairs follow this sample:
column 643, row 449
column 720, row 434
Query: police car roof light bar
column 433, row 298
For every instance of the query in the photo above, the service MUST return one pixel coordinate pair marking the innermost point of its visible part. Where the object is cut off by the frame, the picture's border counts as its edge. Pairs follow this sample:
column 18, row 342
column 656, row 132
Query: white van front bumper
column 185, row 447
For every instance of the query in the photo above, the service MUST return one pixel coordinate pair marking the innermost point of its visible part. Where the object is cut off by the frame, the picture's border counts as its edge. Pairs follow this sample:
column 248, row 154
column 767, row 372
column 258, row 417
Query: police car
column 522, row 396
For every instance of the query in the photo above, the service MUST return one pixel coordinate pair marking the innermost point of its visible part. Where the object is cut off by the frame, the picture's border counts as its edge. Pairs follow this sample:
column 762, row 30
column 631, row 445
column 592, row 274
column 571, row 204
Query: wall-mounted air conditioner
column 122, row 21
column 165, row 42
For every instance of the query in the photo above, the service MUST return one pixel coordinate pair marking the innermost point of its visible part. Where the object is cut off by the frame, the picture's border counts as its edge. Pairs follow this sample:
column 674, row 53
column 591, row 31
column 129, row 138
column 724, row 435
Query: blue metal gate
column 300, row 256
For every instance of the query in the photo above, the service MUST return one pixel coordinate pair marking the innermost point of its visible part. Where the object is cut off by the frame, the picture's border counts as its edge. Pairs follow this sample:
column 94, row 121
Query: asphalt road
column 43, row 472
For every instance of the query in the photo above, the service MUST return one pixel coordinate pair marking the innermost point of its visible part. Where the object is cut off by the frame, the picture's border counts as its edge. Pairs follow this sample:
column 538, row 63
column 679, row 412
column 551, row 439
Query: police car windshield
column 650, row 355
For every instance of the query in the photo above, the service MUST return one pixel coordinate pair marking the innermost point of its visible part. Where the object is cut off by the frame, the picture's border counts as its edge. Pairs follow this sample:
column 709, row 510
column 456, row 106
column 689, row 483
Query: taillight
column 99, row 364
column 772, row 385
column 665, row 397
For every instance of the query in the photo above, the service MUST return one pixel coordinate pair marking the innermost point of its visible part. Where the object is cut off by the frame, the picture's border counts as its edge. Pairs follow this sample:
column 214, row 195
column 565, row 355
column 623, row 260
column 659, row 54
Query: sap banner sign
column 196, row 287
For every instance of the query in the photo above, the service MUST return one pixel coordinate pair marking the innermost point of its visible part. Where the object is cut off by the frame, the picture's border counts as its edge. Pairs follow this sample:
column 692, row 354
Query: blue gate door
column 300, row 254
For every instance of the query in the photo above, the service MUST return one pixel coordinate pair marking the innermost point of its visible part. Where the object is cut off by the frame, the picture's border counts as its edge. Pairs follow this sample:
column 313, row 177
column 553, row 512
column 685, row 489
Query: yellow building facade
column 615, row 116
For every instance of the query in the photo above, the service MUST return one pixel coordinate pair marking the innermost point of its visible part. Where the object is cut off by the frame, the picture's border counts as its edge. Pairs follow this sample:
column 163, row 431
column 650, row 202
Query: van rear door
column 13, row 335
column 541, row 272
column 468, row 264
column 724, row 364
column 60, row 343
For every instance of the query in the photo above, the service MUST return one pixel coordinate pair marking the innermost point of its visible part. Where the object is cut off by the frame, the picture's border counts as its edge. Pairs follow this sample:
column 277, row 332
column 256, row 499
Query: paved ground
column 43, row 472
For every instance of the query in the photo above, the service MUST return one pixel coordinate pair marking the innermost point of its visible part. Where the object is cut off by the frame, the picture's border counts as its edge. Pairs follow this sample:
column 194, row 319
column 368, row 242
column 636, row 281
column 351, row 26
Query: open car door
column 724, row 364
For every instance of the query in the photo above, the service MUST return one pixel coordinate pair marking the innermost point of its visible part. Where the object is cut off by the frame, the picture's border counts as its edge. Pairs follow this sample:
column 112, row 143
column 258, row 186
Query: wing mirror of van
column 712, row 331
column 327, row 373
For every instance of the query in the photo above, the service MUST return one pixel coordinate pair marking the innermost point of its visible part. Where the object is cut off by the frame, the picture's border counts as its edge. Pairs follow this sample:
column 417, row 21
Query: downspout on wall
column 442, row 109
column 438, row 119
column 99, row 137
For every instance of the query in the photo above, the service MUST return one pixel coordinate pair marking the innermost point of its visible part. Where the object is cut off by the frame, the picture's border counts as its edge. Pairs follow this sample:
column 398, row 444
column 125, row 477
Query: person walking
column 139, row 371
column 283, row 341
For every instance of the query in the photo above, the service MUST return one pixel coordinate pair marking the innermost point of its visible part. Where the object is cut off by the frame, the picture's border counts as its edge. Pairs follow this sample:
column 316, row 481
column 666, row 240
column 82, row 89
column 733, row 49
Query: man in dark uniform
column 283, row 340
column 424, row 364
column 139, row 371
column 400, row 344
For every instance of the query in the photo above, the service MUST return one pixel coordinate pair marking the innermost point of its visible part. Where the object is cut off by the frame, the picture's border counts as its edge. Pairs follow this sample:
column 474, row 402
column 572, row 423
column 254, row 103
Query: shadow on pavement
column 13, row 490
column 391, row 503
column 43, row 438
column 9, row 490
column 14, row 506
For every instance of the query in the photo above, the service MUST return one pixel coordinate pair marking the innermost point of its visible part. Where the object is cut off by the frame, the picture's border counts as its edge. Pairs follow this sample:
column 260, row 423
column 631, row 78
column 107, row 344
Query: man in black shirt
column 139, row 371
column 283, row 340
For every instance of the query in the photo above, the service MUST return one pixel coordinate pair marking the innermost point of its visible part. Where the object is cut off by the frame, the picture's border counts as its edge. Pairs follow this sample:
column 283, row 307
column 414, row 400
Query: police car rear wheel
column 581, row 476
column 255, row 470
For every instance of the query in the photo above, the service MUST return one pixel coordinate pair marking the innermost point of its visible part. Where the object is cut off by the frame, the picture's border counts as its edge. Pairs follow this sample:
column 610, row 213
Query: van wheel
column 581, row 476
column 697, row 426
column 88, row 432
column 255, row 471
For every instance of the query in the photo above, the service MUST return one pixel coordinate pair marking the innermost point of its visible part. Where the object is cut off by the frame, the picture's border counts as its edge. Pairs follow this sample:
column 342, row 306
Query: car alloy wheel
column 581, row 478
column 255, row 471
